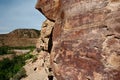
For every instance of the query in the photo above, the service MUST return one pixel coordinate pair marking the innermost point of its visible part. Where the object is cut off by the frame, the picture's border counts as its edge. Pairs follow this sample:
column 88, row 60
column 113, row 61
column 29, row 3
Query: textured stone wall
column 43, row 48
column 85, row 38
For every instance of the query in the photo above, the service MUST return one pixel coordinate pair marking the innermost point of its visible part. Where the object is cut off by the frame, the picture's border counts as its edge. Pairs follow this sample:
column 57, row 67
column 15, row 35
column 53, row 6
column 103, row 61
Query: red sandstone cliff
column 85, row 38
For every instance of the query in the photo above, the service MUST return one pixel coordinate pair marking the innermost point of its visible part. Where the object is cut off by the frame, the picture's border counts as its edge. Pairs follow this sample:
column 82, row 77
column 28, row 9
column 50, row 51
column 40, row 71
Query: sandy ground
column 37, row 70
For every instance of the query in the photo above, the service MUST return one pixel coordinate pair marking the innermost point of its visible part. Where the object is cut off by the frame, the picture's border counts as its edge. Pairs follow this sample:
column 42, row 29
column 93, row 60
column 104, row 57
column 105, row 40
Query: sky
column 18, row 14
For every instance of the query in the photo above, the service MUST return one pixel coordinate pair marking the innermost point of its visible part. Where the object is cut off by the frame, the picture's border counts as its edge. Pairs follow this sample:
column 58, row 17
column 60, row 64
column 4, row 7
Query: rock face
column 20, row 37
column 85, row 38
column 44, row 40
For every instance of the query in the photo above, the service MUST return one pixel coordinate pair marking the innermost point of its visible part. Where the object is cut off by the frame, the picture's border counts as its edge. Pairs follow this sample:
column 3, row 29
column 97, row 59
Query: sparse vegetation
column 7, row 50
column 23, row 48
column 34, row 58
column 8, row 68
column 19, row 75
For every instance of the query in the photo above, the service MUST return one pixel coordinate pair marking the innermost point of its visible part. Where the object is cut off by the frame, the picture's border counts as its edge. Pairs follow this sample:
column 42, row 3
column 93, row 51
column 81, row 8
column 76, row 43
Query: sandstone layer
column 85, row 38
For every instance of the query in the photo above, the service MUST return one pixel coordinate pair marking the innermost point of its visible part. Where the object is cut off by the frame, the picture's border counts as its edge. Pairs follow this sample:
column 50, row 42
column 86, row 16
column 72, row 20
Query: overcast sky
column 16, row 14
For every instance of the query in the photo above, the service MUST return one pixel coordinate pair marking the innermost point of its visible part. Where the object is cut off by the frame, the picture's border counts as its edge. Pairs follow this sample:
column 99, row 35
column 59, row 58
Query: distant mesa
column 20, row 37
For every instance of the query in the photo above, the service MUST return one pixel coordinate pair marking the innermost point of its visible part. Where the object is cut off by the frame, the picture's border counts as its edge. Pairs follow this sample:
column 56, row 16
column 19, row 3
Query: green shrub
column 23, row 48
column 8, row 68
column 4, row 50
column 34, row 58
column 19, row 75
column 28, row 56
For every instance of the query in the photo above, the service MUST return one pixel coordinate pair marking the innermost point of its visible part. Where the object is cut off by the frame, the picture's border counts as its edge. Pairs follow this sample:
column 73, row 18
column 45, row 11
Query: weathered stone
column 49, row 6
column 46, row 31
column 43, row 44
column 86, row 38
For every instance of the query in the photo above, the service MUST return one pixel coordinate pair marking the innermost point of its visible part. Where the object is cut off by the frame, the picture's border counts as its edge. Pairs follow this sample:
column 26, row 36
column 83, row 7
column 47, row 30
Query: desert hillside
column 20, row 37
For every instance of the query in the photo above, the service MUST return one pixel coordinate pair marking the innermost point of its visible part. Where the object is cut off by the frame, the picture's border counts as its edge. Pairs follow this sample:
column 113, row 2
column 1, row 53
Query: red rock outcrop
column 44, row 40
column 85, row 38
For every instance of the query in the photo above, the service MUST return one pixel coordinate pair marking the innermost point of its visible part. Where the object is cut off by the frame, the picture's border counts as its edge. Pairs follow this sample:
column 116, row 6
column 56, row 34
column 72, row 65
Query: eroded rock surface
column 86, row 38
column 46, row 32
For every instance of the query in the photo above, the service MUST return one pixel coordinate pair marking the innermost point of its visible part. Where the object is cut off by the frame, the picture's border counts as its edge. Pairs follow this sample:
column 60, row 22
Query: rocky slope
column 20, row 37
column 39, row 67
column 85, row 41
